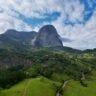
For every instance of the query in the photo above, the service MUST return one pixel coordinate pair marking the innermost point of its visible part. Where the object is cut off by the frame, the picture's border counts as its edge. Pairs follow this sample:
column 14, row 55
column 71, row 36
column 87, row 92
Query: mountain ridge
column 22, row 40
column 12, row 38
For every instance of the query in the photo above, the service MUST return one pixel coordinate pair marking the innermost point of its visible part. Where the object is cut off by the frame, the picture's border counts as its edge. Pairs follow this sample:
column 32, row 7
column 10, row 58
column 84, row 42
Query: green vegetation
column 42, row 72
column 74, row 88
column 32, row 87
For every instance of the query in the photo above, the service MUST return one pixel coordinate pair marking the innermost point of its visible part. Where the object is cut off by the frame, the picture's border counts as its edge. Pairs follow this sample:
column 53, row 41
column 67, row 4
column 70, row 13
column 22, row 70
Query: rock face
column 48, row 37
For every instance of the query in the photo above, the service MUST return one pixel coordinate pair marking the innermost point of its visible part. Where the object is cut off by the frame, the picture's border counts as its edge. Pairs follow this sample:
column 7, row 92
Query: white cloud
column 83, row 36
column 7, row 22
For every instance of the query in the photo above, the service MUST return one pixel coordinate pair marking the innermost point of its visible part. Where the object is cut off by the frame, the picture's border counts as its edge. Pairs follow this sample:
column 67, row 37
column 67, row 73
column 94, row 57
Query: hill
column 13, row 39
column 74, row 88
column 39, row 86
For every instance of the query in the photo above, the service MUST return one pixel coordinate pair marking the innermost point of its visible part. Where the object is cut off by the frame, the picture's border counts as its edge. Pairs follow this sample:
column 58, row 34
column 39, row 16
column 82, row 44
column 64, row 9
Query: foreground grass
column 74, row 88
column 31, row 87
column 44, row 87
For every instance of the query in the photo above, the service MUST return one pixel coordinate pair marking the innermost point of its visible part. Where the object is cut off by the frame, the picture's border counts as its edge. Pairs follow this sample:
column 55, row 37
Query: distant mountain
column 14, row 39
column 48, row 37
column 90, row 51
column 23, row 37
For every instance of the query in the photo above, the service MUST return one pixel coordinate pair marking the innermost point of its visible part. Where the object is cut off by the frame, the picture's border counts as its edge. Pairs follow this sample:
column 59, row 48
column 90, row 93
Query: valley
column 49, row 73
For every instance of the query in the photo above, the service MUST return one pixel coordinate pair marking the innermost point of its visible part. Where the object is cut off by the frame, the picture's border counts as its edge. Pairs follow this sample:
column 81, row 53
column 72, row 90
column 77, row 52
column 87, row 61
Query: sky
column 75, row 20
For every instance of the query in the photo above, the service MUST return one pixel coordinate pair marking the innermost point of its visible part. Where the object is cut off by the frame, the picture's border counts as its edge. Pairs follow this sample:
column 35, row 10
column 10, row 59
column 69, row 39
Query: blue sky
column 75, row 20
column 33, row 22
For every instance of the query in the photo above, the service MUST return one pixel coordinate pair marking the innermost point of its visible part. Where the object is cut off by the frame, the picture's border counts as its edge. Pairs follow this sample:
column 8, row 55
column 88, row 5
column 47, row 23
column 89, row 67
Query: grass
column 31, row 87
column 41, row 86
column 75, row 89
column 16, row 90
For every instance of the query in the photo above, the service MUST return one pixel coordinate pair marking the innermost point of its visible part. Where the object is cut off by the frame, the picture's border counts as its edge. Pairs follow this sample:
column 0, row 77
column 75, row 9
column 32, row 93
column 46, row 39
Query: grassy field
column 31, row 87
column 44, row 87
column 74, row 88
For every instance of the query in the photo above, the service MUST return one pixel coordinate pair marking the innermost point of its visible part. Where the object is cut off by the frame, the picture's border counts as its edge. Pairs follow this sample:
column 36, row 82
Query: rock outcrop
column 47, row 37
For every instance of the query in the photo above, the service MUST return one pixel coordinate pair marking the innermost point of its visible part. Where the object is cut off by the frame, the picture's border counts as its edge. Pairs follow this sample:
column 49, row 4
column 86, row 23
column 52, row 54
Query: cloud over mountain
column 74, row 19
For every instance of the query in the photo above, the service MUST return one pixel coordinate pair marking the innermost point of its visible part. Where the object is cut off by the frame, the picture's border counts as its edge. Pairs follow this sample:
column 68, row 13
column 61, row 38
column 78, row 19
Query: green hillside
column 41, row 86
column 74, row 88
column 32, row 87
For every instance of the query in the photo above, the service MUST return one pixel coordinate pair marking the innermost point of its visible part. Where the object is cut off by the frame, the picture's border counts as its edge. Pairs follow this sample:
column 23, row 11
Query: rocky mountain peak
column 48, row 37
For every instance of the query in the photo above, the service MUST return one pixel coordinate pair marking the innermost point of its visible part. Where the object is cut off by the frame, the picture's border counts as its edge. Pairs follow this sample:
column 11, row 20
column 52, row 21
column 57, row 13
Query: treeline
column 11, row 76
